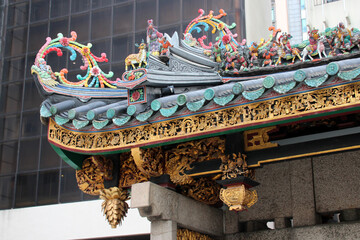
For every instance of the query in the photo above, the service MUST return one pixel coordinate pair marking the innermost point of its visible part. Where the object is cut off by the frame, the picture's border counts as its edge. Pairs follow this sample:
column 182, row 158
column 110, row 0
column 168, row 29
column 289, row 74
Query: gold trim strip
column 295, row 106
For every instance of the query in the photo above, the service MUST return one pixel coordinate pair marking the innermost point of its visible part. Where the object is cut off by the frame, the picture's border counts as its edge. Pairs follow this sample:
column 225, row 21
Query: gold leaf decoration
column 185, row 234
column 178, row 159
column 235, row 165
column 114, row 206
column 203, row 190
column 150, row 161
column 238, row 198
column 129, row 172
column 95, row 170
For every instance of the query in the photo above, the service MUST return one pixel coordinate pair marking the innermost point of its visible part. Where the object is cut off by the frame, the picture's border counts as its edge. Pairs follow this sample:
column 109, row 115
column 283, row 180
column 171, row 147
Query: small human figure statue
column 284, row 41
column 254, row 48
column 229, row 57
column 152, row 39
column 268, row 54
column 216, row 52
column 165, row 44
column 343, row 34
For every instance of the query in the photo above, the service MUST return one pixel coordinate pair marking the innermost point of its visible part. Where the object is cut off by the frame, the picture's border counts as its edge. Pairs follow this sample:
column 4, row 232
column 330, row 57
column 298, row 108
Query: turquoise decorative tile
column 252, row 95
column 222, row 101
column 167, row 112
column 194, row 106
column 315, row 82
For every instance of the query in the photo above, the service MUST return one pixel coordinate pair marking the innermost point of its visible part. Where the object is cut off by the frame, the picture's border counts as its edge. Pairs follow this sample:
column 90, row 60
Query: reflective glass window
column 10, row 127
column 79, row 5
column 100, row 3
column 48, row 157
column 59, row 8
column 59, row 26
column 69, row 191
column 145, row 10
column 122, row 47
column 8, row 156
column 191, row 7
column 48, row 187
column 16, row 41
column 101, row 23
column 31, row 124
column 169, row 12
column 32, row 98
column 29, row 155
column 39, row 10
column 80, row 24
column 7, row 190
column 14, row 69
column 18, row 14
column 25, row 190
column 37, row 37
column 123, row 19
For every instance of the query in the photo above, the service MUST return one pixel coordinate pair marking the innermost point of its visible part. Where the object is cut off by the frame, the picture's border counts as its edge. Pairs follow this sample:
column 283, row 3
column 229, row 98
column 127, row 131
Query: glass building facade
column 31, row 173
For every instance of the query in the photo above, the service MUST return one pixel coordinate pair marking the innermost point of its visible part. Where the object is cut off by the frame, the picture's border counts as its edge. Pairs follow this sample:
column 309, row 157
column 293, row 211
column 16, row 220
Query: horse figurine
column 138, row 58
column 314, row 49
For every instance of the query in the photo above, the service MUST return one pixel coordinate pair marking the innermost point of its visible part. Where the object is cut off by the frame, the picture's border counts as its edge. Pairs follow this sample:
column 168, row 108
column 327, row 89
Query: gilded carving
column 179, row 159
column 233, row 166
column 258, row 139
column 185, row 234
column 238, row 198
column 114, row 206
column 149, row 161
column 203, row 190
column 129, row 173
column 95, row 170
column 219, row 120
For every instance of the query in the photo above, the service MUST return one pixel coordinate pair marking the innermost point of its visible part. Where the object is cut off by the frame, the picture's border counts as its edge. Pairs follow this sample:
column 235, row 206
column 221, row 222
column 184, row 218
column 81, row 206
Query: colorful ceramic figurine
column 139, row 58
column 152, row 39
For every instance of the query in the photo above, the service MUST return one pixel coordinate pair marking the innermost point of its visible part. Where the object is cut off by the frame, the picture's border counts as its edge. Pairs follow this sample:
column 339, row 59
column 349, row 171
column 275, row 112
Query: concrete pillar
column 167, row 210
column 163, row 230
column 302, row 193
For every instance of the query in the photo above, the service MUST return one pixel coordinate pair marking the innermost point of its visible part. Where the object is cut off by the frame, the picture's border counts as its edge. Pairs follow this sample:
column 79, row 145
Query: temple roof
column 108, row 113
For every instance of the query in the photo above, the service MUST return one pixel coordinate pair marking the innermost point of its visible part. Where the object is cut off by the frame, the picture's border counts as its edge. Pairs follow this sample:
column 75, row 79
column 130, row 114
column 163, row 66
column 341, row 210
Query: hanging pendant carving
column 238, row 198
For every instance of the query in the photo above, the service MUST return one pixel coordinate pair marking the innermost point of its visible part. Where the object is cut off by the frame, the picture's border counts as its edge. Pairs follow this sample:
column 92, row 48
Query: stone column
column 163, row 230
column 168, row 210
column 302, row 193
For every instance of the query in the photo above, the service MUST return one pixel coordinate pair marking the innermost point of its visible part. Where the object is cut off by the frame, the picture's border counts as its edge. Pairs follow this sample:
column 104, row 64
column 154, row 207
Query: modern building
column 31, row 173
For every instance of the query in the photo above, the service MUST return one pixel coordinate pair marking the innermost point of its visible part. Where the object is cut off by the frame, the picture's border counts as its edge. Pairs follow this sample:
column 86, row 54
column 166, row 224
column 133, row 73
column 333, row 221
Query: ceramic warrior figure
column 152, row 39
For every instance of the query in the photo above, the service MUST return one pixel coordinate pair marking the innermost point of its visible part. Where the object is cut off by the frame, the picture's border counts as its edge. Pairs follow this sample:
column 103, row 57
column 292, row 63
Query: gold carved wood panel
column 239, row 117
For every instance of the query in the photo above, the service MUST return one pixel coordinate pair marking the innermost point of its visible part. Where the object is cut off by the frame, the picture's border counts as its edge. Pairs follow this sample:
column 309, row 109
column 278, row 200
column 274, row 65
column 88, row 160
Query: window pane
column 100, row 3
column 39, row 10
column 32, row 98
column 122, row 47
column 80, row 24
column 10, row 126
column 16, row 41
column 37, row 38
column 18, row 14
column 7, row 190
column 216, row 5
column 29, row 155
column 102, row 46
column 169, row 12
column 79, row 5
column 49, row 158
column 30, row 61
column 30, row 124
column 25, row 190
column 48, row 187
column 190, row 8
column 58, row 26
column 8, row 153
column 123, row 19
column 14, row 70
column 101, row 22
column 59, row 8
column 69, row 191
column 11, row 98
column 145, row 10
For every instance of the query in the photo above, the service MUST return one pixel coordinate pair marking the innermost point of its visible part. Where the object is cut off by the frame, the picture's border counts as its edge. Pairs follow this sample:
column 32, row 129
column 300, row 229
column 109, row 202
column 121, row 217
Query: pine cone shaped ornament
column 114, row 206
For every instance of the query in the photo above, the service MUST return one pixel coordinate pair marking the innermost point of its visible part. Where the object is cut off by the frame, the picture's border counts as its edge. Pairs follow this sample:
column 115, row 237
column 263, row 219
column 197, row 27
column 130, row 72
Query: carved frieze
column 129, row 173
